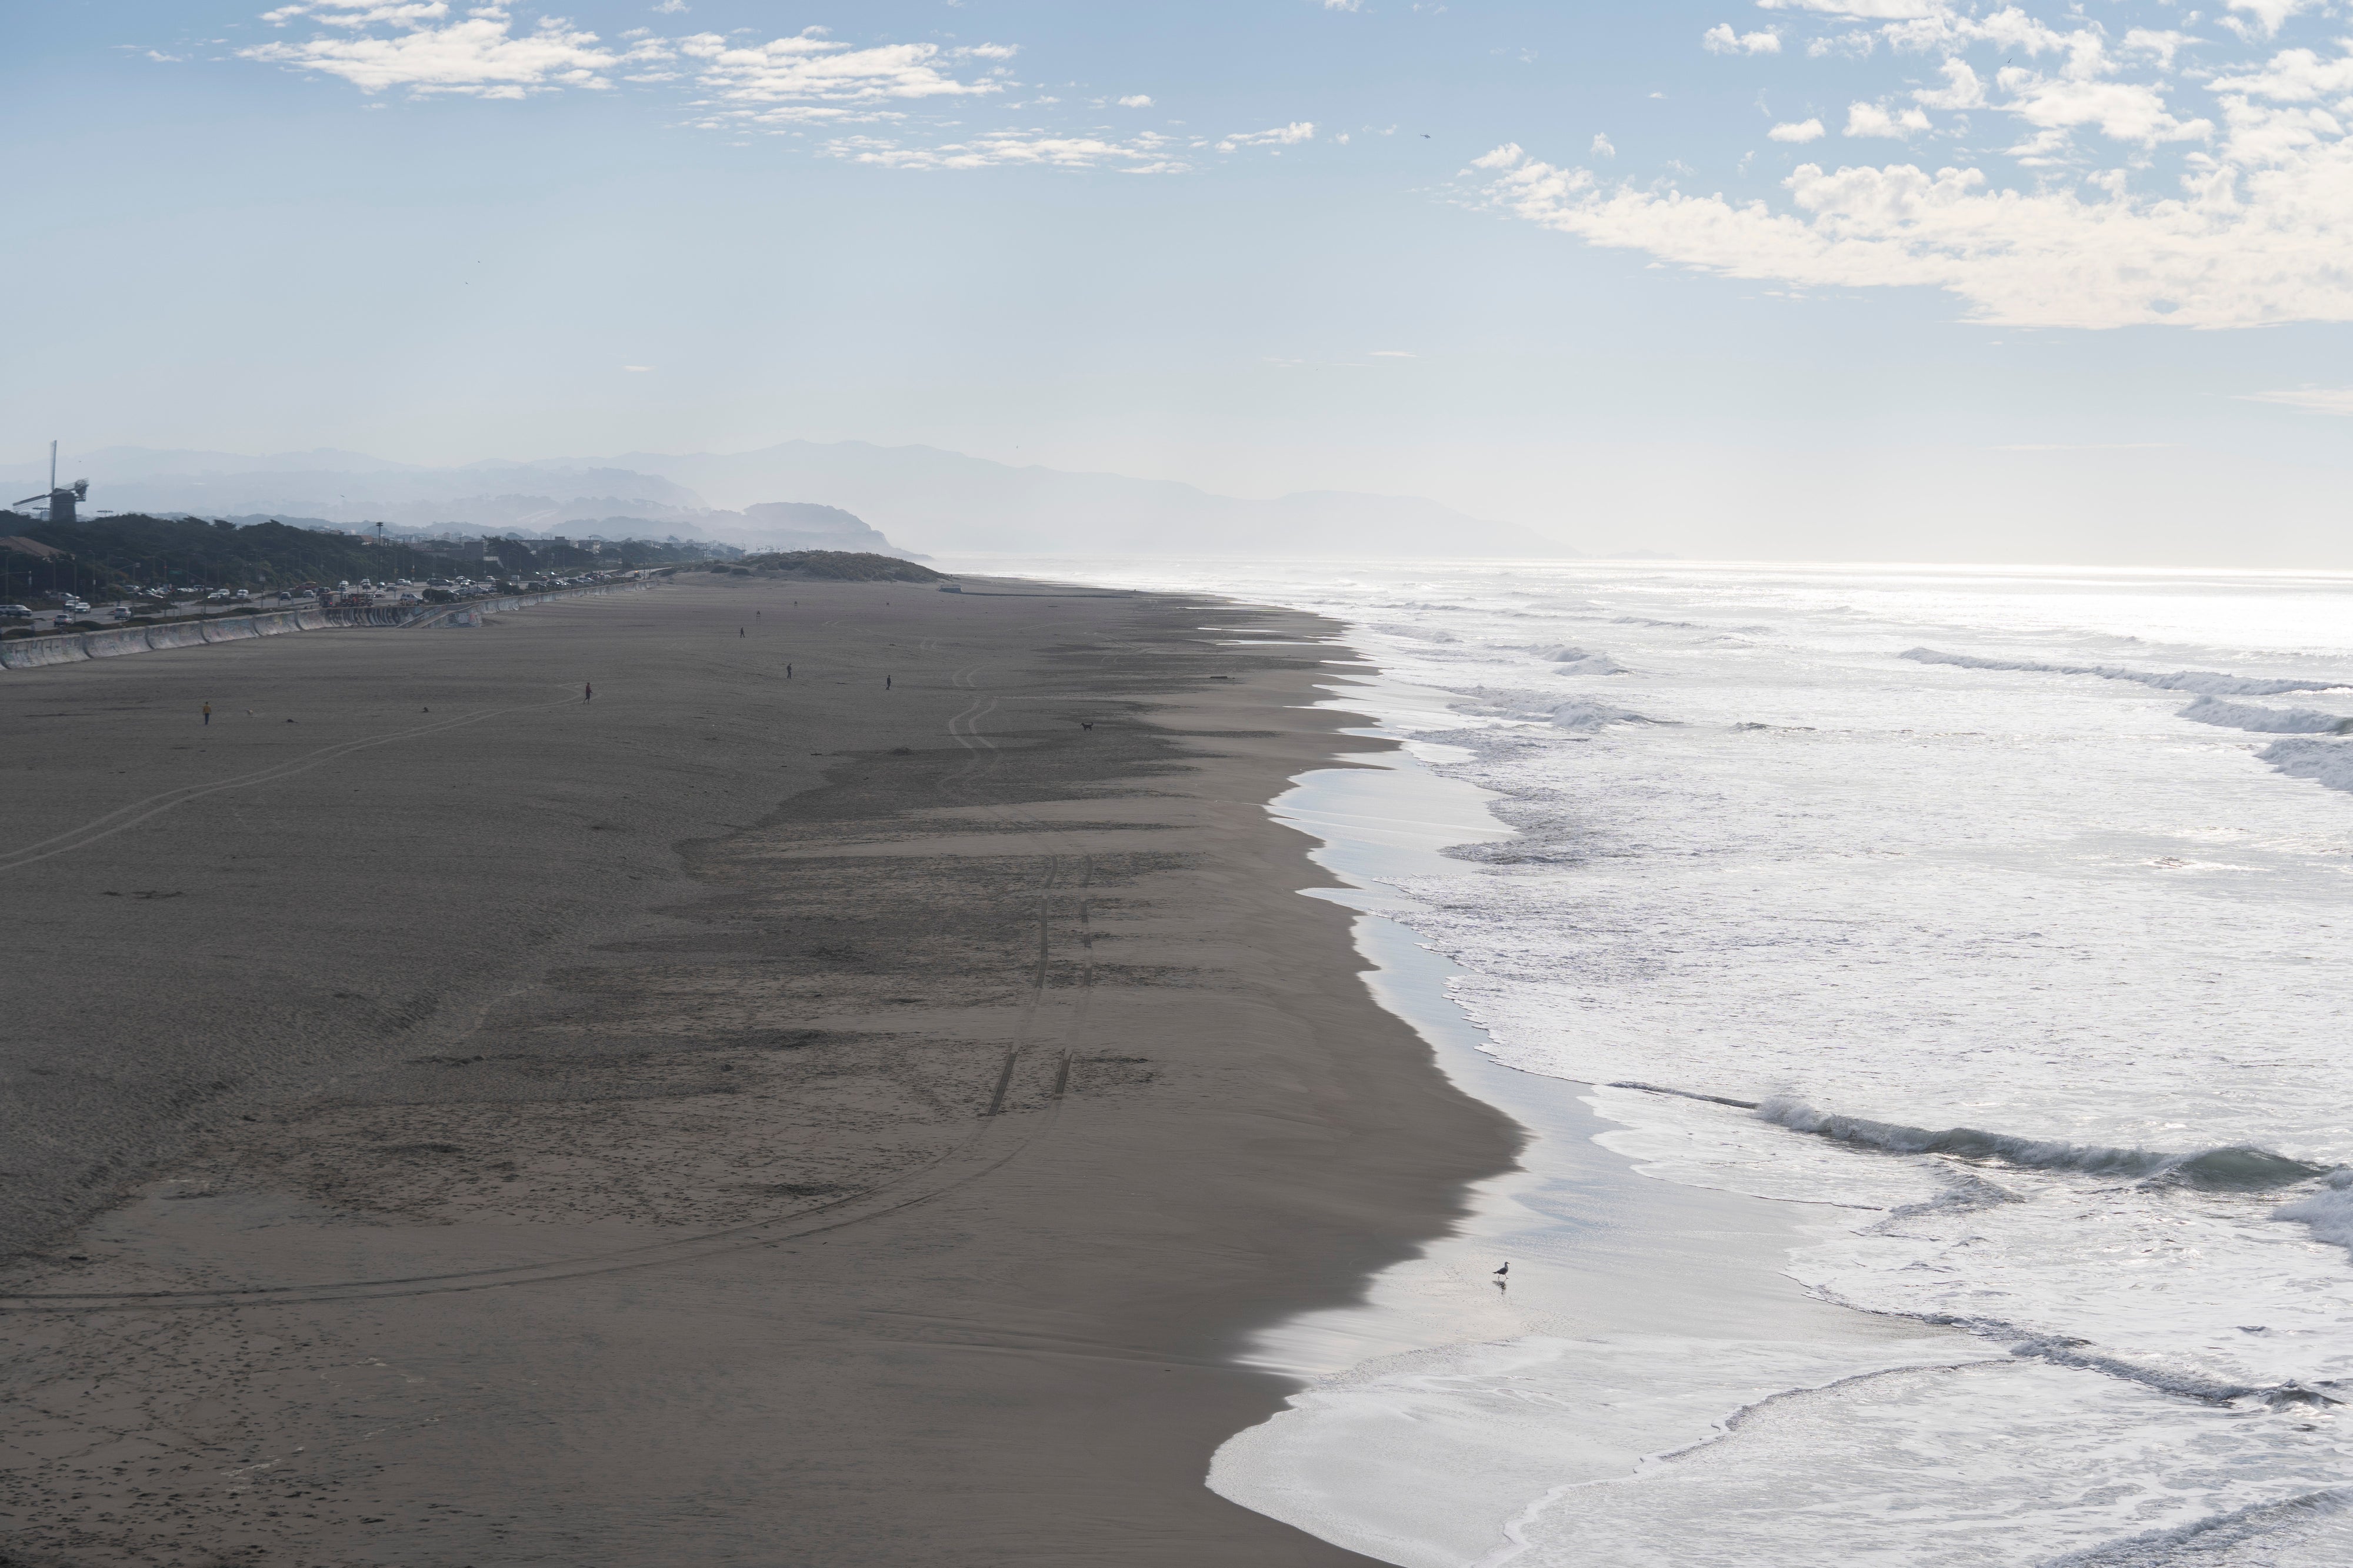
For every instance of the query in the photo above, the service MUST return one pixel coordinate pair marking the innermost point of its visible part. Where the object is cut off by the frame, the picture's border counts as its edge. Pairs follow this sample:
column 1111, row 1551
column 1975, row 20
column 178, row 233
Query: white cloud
column 1281, row 136
column 2128, row 111
column 1962, row 89
column 671, row 7
column 2294, row 76
column 2311, row 399
column 1136, row 100
column 2164, row 44
column 478, row 57
column 1345, row 5
column 1721, row 39
column 2100, row 173
column 2236, row 248
column 2269, row 15
column 1145, row 154
column 1868, row 10
column 638, row 368
column 808, row 69
column 358, row 13
column 1602, row 147
column 1391, row 353
column 1871, row 120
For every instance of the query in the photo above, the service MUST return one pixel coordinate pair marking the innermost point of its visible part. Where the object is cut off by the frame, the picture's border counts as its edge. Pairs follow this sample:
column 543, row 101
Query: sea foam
column 2200, row 680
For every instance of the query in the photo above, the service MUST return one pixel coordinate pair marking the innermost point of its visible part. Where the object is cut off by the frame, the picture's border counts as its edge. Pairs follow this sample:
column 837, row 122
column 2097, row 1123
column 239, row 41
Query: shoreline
column 1609, row 1263
column 864, row 1332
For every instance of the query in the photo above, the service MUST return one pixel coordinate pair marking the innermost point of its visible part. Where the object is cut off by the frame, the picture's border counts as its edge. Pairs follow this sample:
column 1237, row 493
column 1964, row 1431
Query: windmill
column 61, row 501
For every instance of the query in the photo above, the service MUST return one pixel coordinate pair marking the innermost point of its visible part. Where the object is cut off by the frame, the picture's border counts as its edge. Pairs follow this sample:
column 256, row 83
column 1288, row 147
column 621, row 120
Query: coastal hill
column 111, row 556
column 836, row 566
column 855, row 493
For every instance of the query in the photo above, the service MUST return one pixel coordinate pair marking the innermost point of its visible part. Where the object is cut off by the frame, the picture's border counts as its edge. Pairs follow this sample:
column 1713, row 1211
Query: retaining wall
column 115, row 642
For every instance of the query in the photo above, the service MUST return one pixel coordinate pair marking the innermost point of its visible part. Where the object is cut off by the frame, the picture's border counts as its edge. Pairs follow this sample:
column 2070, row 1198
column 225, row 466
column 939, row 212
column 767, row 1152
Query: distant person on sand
column 788, row 673
column 886, row 683
column 587, row 691
column 209, row 712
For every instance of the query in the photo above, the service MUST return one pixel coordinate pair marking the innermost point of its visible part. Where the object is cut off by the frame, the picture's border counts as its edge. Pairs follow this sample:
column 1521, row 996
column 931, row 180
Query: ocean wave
column 2207, row 682
column 2264, row 721
column 1536, row 707
column 2326, row 762
column 1964, row 1193
column 2212, row 1535
column 1583, row 713
column 1586, row 661
column 2328, row 1214
column 2238, row 1168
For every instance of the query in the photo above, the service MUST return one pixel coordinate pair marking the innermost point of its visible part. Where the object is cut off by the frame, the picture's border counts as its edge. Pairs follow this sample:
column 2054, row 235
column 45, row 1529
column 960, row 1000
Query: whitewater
column 1950, row 965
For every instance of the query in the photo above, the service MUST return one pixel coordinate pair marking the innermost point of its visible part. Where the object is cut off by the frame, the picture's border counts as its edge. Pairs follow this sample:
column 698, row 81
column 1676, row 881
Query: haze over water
column 2008, row 905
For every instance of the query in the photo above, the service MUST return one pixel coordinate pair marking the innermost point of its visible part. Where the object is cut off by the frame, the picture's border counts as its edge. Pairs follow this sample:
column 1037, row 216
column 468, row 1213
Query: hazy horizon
column 1812, row 279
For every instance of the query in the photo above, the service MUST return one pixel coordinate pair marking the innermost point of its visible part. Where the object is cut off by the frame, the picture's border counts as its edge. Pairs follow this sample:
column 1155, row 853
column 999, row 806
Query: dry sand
column 561, row 1134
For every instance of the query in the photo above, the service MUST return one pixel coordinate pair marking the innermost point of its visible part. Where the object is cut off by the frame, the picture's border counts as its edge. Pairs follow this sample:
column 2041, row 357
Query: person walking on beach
column 587, row 691
column 208, row 713
column 788, row 673
column 886, row 683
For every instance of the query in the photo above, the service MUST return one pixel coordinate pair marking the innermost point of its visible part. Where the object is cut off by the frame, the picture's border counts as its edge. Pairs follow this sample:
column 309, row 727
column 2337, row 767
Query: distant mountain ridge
column 947, row 501
column 856, row 494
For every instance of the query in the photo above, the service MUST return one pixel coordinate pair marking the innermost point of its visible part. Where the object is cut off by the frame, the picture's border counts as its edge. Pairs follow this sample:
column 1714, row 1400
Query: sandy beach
column 738, row 1118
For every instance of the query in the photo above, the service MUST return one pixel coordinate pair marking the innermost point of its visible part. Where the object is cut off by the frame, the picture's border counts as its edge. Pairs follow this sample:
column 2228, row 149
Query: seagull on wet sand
column 1506, row 1269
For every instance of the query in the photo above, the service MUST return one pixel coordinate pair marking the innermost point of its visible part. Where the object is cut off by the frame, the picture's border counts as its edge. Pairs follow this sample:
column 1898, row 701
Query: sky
column 1807, row 278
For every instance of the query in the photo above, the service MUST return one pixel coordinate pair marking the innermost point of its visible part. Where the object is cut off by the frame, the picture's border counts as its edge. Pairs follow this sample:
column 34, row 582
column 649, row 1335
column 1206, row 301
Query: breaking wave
column 2326, row 762
column 2208, row 1535
column 2328, row 1214
column 2238, row 1168
column 2266, row 720
column 1581, row 713
column 1585, row 660
column 2207, row 682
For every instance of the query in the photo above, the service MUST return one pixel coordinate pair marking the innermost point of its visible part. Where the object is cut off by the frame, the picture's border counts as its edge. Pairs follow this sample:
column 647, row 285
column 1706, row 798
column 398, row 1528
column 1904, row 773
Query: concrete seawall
column 116, row 642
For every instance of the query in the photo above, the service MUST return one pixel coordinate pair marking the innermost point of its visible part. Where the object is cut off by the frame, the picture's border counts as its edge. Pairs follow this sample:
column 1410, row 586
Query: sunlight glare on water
column 2011, row 903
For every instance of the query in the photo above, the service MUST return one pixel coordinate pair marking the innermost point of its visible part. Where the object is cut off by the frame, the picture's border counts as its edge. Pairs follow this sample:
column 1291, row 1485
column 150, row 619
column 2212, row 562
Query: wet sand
column 730, row 1121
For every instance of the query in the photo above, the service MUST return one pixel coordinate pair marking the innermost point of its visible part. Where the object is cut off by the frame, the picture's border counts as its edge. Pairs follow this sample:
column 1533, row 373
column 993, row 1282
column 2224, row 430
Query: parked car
column 117, row 613
column 15, row 613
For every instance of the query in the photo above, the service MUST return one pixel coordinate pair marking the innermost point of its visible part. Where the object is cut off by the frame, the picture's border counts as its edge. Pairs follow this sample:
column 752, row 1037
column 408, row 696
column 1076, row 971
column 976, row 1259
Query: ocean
column 1929, row 993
